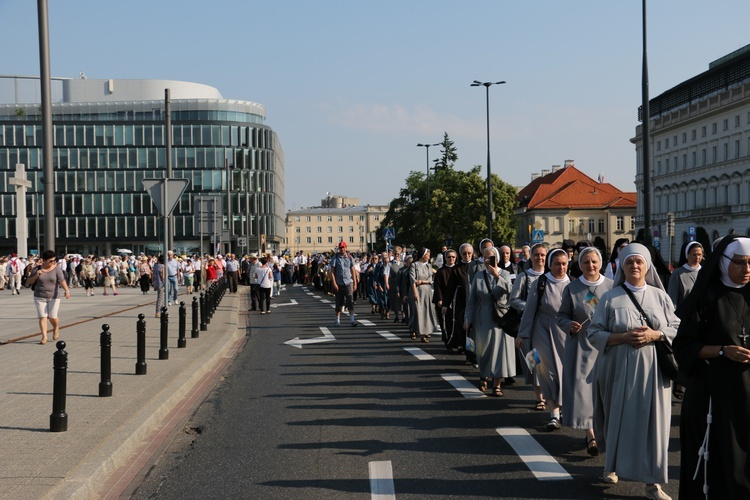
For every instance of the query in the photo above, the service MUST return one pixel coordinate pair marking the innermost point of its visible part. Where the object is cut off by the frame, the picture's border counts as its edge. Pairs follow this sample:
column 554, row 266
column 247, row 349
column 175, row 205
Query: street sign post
column 537, row 236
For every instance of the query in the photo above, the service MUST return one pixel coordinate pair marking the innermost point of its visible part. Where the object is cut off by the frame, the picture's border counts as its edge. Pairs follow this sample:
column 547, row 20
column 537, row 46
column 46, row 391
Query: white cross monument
column 22, row 225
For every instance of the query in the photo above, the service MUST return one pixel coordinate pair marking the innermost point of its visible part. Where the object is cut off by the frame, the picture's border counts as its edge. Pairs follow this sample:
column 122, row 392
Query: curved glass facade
column 101, row 159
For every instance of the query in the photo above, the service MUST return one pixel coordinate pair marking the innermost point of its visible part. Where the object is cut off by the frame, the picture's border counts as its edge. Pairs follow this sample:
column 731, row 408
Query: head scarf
column 581, row 253
column 549, row 276
column 615, row 255
column 684, row 256
column 737, row 247
column 652, row 278
column 711, row 274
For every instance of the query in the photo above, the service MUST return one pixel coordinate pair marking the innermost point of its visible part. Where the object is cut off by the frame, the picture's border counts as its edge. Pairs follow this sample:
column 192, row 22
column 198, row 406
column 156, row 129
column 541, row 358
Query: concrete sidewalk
column 106, row 437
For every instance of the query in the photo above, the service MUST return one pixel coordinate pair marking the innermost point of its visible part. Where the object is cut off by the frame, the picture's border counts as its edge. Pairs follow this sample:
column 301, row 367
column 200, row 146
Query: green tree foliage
column 456, row 209
column 448, row 155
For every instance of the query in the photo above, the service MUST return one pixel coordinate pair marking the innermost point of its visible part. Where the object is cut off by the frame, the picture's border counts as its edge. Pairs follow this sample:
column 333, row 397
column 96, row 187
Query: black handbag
column 664, row 353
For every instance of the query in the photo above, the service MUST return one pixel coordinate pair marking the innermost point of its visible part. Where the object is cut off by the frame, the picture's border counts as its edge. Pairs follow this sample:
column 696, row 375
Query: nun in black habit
column 713, row 351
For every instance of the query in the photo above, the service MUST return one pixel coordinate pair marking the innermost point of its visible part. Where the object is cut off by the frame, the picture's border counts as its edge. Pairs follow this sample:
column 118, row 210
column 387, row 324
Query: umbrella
column 123, row 250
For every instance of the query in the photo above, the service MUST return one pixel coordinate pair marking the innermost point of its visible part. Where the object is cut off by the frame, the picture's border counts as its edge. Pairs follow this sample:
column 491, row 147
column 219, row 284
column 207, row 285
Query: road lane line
column 388, row 335
column 463, row 386
column 381, row 481
column 536, row 458
column 367, row 322
column 419, row 353
column 325, row 301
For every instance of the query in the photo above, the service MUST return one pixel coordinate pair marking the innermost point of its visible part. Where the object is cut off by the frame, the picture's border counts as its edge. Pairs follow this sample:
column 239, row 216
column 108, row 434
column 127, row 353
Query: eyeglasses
column 51, row 260
column 739, row 262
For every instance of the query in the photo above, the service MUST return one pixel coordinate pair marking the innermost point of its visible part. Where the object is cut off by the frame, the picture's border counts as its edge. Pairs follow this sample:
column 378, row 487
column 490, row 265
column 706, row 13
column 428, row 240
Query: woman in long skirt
column 420, row 293
column 494, row 348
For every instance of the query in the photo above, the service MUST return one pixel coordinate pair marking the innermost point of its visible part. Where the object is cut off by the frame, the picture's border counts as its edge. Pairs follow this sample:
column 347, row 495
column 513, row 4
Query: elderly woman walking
column 494, row 348
column 579, row 302
column 420, row 294
column 632, row 404
column 47, row 280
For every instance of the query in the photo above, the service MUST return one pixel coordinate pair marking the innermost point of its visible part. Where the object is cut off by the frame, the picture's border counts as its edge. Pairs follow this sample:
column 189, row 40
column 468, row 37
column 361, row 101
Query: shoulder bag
column 508, row 318
column 664, row 353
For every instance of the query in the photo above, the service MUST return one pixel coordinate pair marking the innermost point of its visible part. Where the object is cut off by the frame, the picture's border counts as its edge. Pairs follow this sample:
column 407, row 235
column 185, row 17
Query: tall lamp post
column 646, row 135
column 487, row 86
column 427, row 150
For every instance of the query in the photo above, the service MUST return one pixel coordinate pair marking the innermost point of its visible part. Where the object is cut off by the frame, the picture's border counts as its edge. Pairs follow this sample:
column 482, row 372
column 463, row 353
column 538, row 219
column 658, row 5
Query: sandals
column 541, row 405
column 414, row 335
column 591, row 447
column 497, row 392
column 678, row 392
column 483, row 384
column 425, row 338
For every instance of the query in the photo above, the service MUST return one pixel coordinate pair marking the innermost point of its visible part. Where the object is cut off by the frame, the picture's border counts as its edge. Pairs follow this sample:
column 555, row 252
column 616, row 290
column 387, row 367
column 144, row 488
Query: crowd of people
column 592, row 334
column 589, row 331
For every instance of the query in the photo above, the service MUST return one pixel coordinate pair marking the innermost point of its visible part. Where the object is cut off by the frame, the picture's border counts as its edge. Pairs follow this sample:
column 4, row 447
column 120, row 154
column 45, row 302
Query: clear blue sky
column 352, row 86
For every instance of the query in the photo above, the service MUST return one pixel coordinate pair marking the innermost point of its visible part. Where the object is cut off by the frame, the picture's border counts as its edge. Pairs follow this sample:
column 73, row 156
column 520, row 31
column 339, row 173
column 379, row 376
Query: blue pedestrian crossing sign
column 537, row 236
column 389, row 233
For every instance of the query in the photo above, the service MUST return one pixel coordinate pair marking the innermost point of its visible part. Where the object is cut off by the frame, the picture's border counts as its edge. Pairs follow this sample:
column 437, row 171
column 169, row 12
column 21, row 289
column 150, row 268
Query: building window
column 351, row 217
column 341, row 229
column 592, row 225
column 714, row 159
column 319, row 218
column 308, row 229
column 684, row 137
column 571, row 226
column 341, row 218
column 297, row 230
column 666, row 166
column 726, row 151
column 703, row 131
column 377, row 217
column 684, row 162
column 351, row 229
column 695, row 155
column 694, row 134
column 601, row 226
column 658, row 145
column 319, row 239
column 296, row 219
column 737, row 121
column 674, row 141
column 703, row 157
column 737, row 149
column 308, row 218
column 330, row 239
column 713, row 128
column 726, row 124
column 319, row 229
column 632, row 223
column 361, row 217
column 658, row 167
column 351, row 239
column 329, row 218
column 620, row 224
column 296, row 239
column 308, row 240
column 329, row 229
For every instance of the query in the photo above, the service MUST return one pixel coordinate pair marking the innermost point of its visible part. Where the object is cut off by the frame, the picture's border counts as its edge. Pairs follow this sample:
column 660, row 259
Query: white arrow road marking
column 381, row 481
column 463, row 386
column 419, row 353
column 291, row 302
column 536, row 458
column 388, row 335
column 367, row 322
column 297, row 342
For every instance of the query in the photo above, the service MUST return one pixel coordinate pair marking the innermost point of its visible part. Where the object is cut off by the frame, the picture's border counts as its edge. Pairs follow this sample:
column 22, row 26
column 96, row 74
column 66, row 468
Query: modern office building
column 109, row 135
column 563, row 203
column 700, row 154
column 338, row 218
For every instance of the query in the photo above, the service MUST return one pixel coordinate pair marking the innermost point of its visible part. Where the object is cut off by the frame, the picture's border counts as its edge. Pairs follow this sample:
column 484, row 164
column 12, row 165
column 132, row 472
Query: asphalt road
column 314, row 422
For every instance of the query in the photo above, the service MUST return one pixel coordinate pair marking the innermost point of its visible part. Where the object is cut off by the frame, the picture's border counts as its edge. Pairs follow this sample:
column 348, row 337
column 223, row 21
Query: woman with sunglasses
column 47, row 280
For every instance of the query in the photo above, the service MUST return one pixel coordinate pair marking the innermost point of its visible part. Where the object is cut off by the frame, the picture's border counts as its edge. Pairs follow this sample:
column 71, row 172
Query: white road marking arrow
column 291, row 302
column 297, row 342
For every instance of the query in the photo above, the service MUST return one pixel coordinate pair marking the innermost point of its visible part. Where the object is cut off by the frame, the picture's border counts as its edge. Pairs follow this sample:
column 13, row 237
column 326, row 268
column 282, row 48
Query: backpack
column 14, row 267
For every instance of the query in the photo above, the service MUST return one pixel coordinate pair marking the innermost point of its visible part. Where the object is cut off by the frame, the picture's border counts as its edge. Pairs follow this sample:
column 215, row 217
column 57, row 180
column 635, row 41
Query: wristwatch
column 721, row 351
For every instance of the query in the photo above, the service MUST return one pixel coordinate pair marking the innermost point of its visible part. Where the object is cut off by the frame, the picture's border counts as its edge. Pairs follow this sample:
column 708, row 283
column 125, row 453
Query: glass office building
column 109, row 135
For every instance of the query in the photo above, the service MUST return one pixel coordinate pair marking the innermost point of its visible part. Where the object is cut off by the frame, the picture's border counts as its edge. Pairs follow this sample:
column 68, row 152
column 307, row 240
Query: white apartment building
column 700, row 148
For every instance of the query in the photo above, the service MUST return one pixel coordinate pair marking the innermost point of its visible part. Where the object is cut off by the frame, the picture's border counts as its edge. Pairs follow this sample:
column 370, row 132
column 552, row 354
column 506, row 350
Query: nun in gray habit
column 632, row 404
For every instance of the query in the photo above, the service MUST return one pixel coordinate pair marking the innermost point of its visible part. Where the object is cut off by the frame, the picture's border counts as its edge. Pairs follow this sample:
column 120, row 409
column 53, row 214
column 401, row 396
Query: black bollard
column 140, row 328
column 204, row 325
column 194, row 334
column 181, row 341
column 164, row 337
column 58, row 420
column 105, row 341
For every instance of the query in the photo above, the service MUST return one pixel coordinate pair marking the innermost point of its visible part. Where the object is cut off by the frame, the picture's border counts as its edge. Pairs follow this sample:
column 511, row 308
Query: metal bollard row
column 202, row 308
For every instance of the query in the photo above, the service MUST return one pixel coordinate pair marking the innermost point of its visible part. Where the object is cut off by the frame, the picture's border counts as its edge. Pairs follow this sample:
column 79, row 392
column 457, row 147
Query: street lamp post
column 487, row 86
column 427, row 150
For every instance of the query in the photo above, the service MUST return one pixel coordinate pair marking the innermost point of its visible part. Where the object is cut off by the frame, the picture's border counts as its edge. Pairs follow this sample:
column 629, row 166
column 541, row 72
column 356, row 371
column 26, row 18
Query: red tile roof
column 569, row 188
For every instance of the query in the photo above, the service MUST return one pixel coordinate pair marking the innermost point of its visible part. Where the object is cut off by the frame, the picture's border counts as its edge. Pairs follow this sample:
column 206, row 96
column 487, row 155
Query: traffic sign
column 389, row 233
column 175, row 189
column 537, row 236
column 691, row 233
column 242, row 242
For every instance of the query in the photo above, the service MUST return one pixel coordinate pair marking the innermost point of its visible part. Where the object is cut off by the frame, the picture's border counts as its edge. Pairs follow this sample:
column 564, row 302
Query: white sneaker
column 655, row 492
column 554, row 424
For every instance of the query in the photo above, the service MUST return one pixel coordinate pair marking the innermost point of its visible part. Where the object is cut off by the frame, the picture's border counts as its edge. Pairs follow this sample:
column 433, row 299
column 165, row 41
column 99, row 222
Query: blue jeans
column 172, row 289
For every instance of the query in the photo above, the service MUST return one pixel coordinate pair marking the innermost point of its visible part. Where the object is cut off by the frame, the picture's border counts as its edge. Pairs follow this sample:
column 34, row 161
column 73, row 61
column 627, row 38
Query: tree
column 455, row 209
column 448, row 156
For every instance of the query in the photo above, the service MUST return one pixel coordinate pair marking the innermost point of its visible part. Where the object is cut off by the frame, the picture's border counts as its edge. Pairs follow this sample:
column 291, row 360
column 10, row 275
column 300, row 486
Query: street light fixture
column 487, row 86
column 427, row 150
